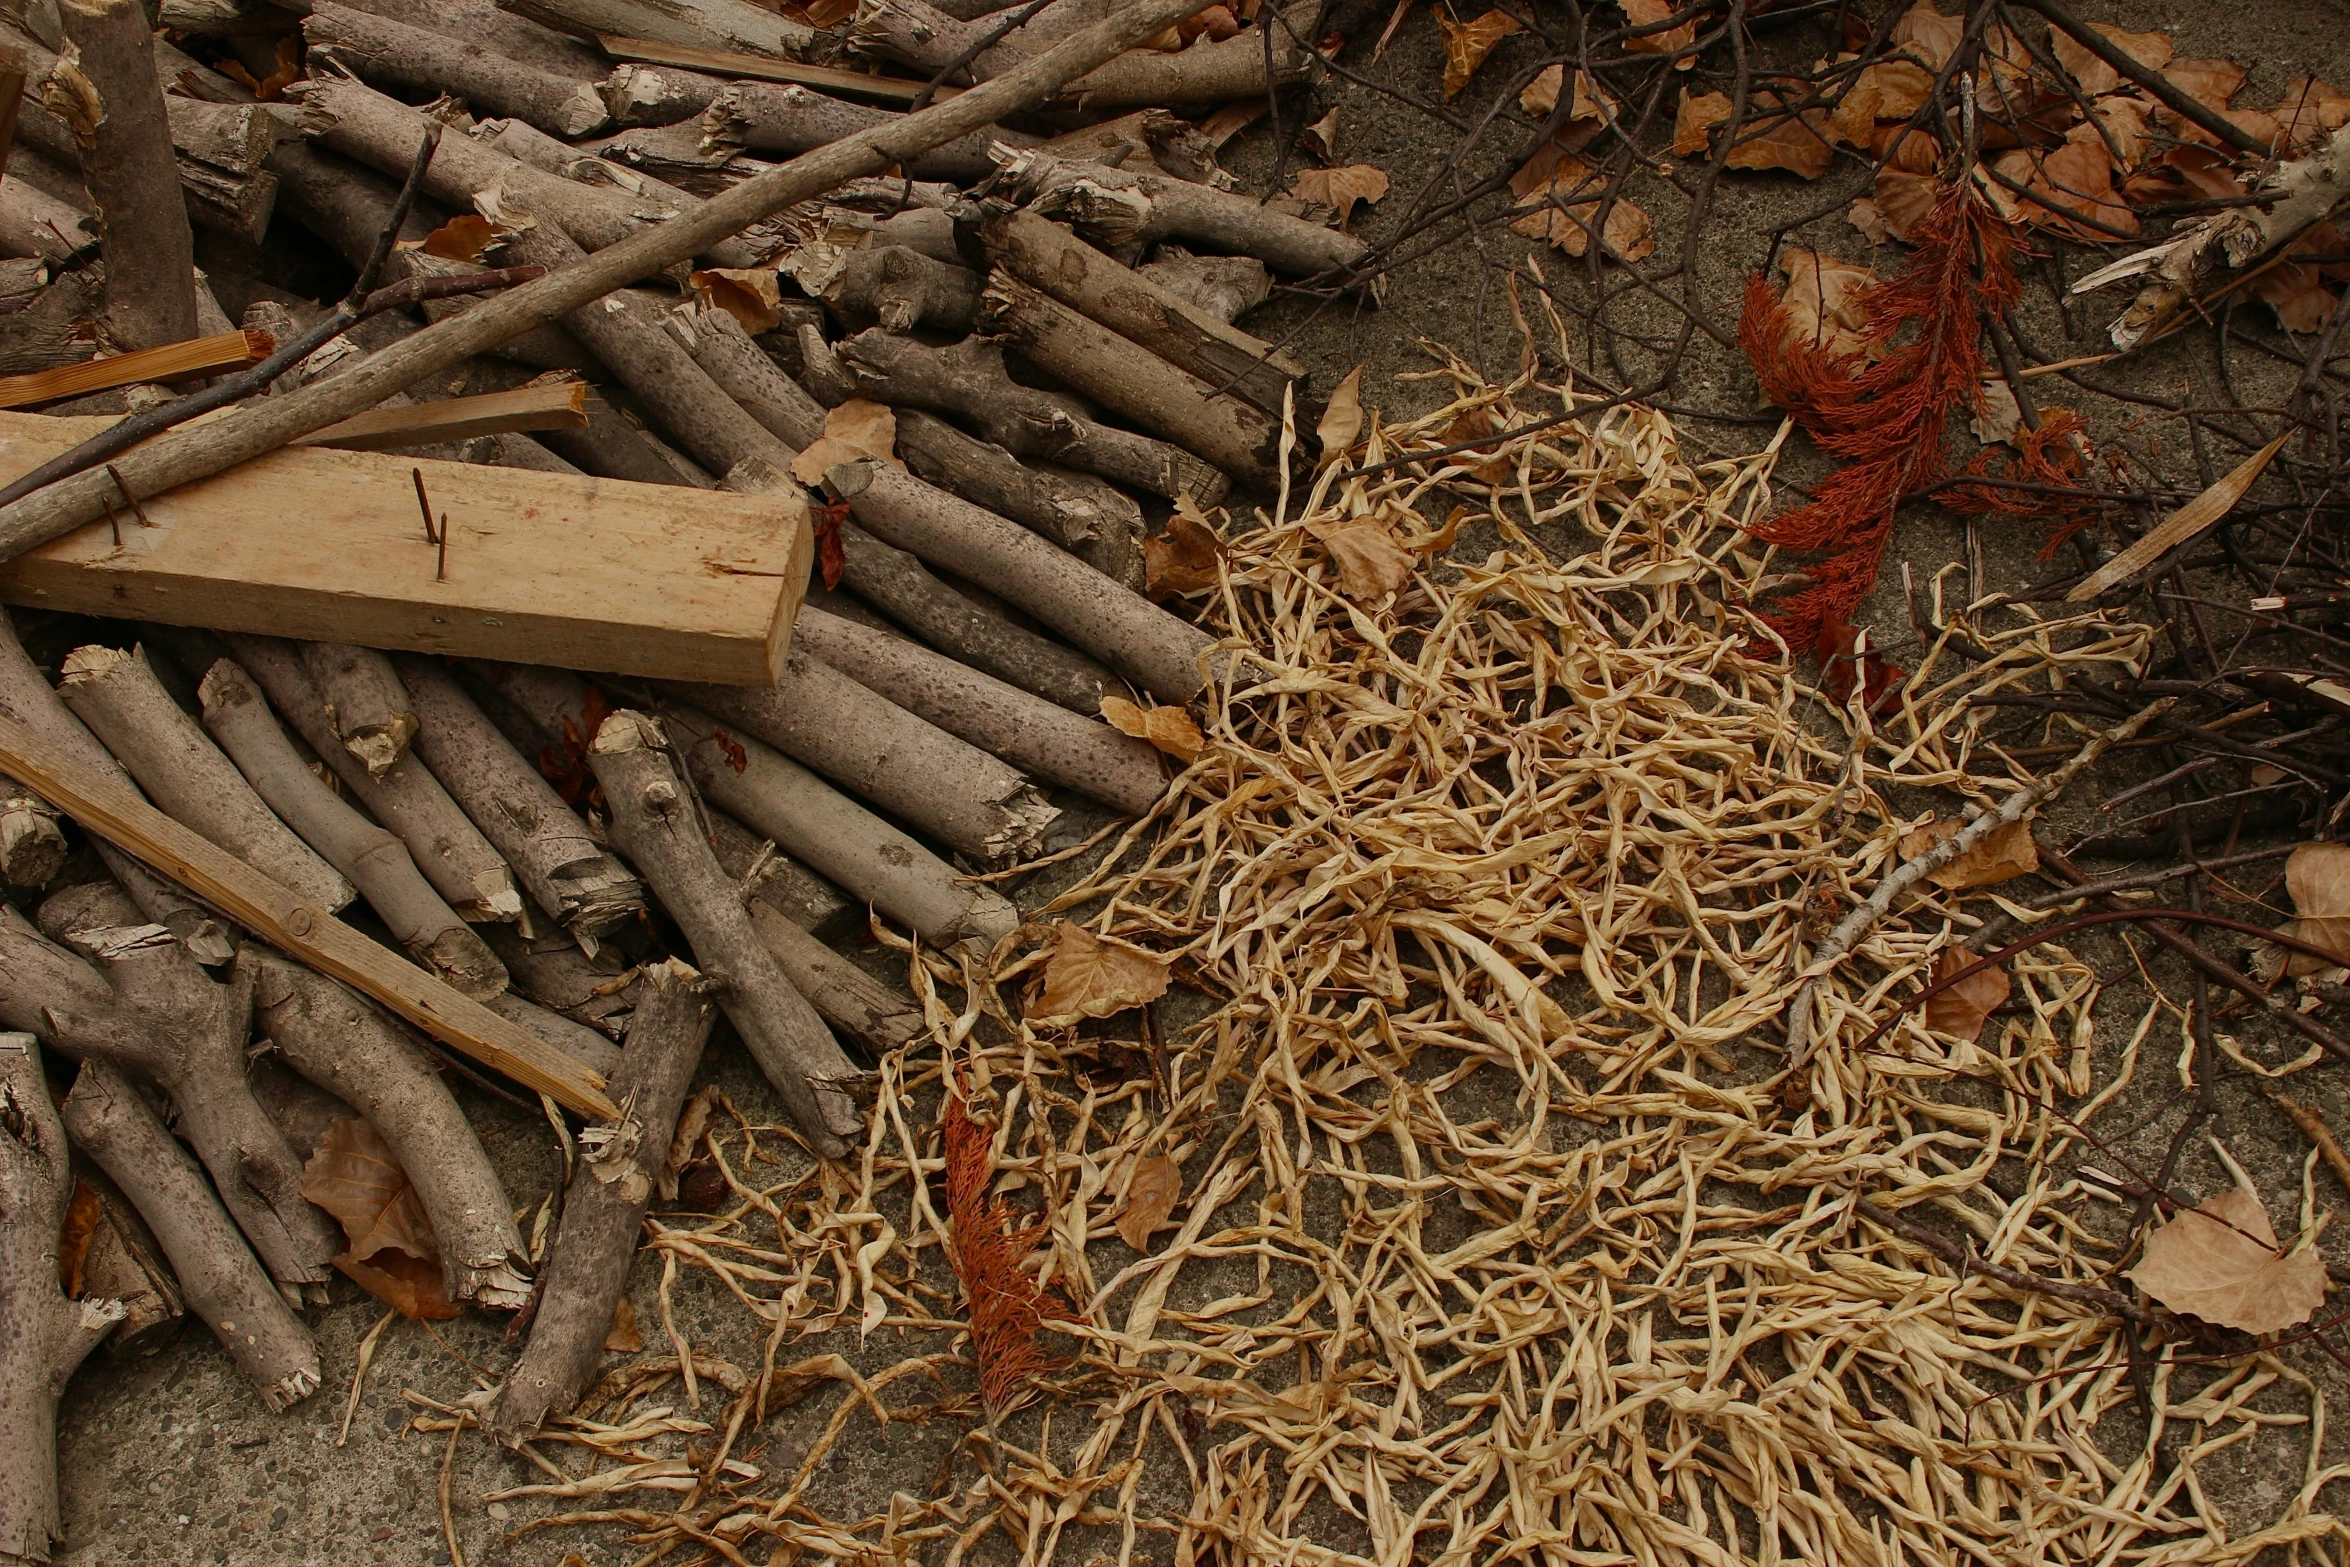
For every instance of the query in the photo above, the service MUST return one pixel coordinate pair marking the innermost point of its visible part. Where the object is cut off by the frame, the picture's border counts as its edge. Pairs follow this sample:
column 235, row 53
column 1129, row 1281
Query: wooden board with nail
column 536, row 567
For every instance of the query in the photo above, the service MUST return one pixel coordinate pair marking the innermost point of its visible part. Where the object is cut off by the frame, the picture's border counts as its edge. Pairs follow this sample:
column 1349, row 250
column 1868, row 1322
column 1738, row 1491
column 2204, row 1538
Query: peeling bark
column 365, row 702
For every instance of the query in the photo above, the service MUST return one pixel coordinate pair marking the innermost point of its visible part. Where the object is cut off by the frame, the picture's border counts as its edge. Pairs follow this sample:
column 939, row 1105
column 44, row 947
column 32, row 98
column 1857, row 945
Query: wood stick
column 809, row 901
column 120, row 1262
column 1210, row 71
column 365, row 702
column 172, row 361
column 14, row 72
column 293, row 924
column 1136, row 306
column 193, row 454
column 1086, row 515
column 734, row 26
column 557, row 406
column 462, row 865
column 814, row 822
column 374, row 860
column 117, row 695
column 565, row 982
column 48, row 1335
column 156, row 1013
column 604, row 1204
column 354, row 1052
column 566, row 872
column 32, row 850
column 1115, row 207
column 1131, row 381
column 224, row 1285
column 1224, row 288
column 35, row 223
column 968, row 379
column 912, row 769
column 104, row 86
column 503, row 32
column 387, row 52
column 767, row 117
column 1035, row 735
column 902, row 288
column 656, row 824
column 734, row 66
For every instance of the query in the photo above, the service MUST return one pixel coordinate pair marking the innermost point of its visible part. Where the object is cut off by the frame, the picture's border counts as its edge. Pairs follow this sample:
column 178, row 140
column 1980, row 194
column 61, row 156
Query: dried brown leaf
column 2209, row 82
column 1999, row 416
column 2317, row 877
column 752, row 295
column 1339, row 189
column 1822, row 301
column 2064, row 182
column 409, row 1285
column 352, row 1175
column 1698, row 114
column 2094, row 76
column 1647, row 13
column 1929, row 34
column 1864, row 216
column 1088, row 976
column 1775, row 138
column 2298, row 295
column 2123, row 118
column 854, row 429
column 1182, row 559
column 1959, row 1012
column 624, row 1337
column 1342, row 419
column 1321, row 137
column 2221, row 1262
column 1475, row 425
column 1466, row 44
column 2007, row 853
column 1168, row 728
column 2309, row 111
column 1151, row 1192
column 1568, row 204
column 1371, row 564
column 465, row 237
column 84, row 1211
column 1904, row 200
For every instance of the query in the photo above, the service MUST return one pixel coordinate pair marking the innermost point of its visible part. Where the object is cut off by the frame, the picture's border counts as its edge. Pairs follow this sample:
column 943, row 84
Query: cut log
column 1177, row 146
column 790, row 888
column 32, row 850
column 727, row 25
column 914, row 770
column 223, row 164
column 720, row 65
column 1135, row 306
column 566, row 872
column 391, row 53
column 1088, row 516
column 375, row 861
column 198, row 356
column 357, row 1054
column 501, row 32
column 184, row 456
column 120, row 1262
column 48, row 1335
column 35, row 223
column 652, row 95
column 1224, row 288
column 344, row 202
column 157, row 1014
column 117, row 695
column 657, row 825
column 365, row 702
column 614, row 446
column 772, row 117
column 224, row 1285
column 21, row 282
column 967, row 379
column 604, row 1204
column 553, row 972
column 459, row 862
column 104, row 86
column 1218, row 71
column 902, row 289
column 1133, row 382
column 1116, row 207
column 812, row 821
column 575, row 1039
column 582, row 570
column 916, row 33
column 1040, row 738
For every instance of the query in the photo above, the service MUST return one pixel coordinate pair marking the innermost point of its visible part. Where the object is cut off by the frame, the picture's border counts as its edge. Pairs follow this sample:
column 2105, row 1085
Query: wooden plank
column 171, row 362
column 301, row 929
column 651, row 580
column 2177, row 528
column 558, row 407
column 719, row 62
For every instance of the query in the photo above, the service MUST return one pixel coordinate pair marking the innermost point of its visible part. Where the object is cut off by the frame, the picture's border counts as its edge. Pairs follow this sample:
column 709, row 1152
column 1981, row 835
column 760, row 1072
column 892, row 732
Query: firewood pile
column 945, row 301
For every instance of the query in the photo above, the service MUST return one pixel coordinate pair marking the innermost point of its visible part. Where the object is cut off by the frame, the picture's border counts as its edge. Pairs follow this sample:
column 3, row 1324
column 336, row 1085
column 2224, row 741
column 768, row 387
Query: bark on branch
column 1115, row 207
column 365, row 703
column 384, row 51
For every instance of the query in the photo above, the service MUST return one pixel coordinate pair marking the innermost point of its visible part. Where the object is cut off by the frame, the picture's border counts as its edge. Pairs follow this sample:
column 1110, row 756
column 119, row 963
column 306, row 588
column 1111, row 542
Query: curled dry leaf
column 1151, row 1192
column 1567, row 195
column 1168, row 728
column 1775, row 137
column 1466, row 44
column 1183, row 558
column 465, row 237
column 1864, row 216
column 1671, row 40
column 2221, row 1262
column 2007, row 853
column 1340, row 189
column 2094, row 76
column 1959, row 1012
column 1321, row 137
column 1823, row 301
column 854, row 429
column 749, row 294
column 624, row 1337
column 2123, row 120
column 2064, row 182
column 1088, row 976
column 2318, row 879
column 1888, row 90
column 391, row 1252
column 1928, row 34
column 1997, row 414
column 1693, row 122
column 1589, row 110
column 2310, row 111
column 1903, row 200
column 1342, row 419
column 1475, row 424
column 1371, row 564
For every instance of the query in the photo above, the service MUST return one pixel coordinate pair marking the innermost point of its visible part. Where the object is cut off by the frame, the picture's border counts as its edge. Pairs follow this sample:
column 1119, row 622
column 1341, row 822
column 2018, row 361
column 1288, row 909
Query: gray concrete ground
column 171, row 1459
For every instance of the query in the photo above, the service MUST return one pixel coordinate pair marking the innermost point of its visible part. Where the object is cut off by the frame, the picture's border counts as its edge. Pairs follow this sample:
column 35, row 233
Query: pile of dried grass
column 1497, row 1239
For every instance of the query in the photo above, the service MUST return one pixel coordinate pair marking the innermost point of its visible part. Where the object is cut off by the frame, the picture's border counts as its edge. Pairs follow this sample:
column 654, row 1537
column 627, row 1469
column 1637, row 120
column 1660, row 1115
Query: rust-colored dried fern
column 990, row 1252
column 2050, row 457
column 1885, row 418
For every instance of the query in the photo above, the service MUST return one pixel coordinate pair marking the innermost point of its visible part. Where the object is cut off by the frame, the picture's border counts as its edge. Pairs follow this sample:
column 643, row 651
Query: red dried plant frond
column 990, row 1250
column 2052, row 457
column 1884, row 416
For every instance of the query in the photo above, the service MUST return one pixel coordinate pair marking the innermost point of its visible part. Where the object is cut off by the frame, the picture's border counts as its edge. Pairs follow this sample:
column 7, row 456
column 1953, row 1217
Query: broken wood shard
column 647, row 580
column 526, row 408
column 171, row 362
column 760, row 68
